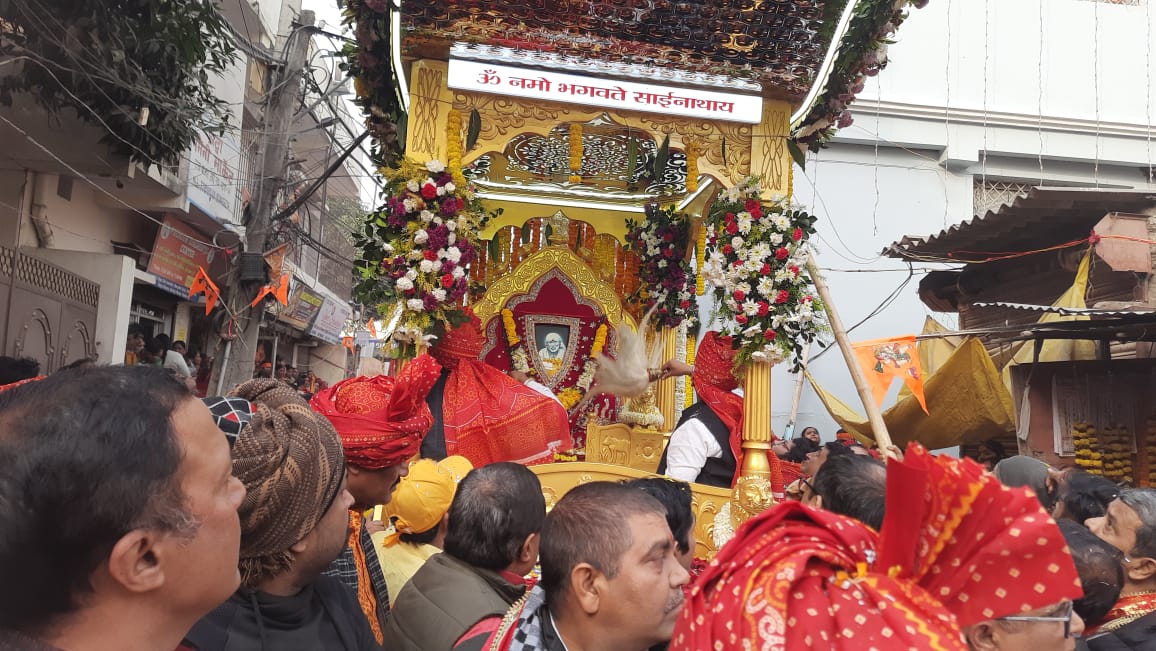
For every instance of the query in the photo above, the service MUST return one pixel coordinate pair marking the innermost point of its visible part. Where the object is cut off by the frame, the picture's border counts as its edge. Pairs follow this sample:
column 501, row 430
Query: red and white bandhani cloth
column 956, row 548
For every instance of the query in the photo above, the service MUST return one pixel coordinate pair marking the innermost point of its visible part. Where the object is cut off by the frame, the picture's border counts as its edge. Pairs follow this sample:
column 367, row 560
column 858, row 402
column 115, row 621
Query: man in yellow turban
column 418, row 512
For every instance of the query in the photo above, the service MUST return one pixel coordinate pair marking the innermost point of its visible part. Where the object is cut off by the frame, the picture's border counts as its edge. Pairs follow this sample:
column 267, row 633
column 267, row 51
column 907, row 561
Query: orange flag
column 202, row 284
column 372, row 329
column 883, row 360
column 278, row 290
column 348, row 343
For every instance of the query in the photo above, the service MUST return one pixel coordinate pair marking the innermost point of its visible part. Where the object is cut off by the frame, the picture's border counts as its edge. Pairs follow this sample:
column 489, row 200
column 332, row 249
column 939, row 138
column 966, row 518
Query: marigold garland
column 690, row 350
column 512, row 338
column 575, row 153
column 454, row 143
column 599, row 342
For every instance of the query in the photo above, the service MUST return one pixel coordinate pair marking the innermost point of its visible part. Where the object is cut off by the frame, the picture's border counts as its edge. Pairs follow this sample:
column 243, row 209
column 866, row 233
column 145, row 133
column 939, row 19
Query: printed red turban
column 797, row 578
column 983, row 549
column 381, row 419
column 489, row 416
column 956, row 548
column 464, row 342
column 714, row 380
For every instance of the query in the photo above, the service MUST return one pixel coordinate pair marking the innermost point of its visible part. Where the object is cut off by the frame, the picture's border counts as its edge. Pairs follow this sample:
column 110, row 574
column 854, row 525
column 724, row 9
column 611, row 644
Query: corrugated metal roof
column 1066, row 311
column 1045, row 216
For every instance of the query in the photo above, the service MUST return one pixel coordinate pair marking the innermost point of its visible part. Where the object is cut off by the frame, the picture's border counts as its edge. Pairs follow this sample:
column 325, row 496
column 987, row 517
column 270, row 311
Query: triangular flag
column 275, row 259
column 372, row 328
column 278, row 290
column 202, row 284
column 883, row 360
column 281, row 290
column 348, row 343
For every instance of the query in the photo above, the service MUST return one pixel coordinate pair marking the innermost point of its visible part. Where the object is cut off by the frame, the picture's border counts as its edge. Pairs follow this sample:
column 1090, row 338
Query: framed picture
column 554, row 348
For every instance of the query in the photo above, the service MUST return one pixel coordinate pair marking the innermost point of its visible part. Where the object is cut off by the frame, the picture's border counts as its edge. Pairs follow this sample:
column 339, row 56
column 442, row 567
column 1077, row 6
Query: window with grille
column 992, row 195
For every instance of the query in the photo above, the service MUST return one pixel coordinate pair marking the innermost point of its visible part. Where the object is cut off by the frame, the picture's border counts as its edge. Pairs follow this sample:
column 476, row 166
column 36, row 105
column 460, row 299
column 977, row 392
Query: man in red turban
column 706, row 445
column 381, row 421
column 962, row 562
column 485, row 415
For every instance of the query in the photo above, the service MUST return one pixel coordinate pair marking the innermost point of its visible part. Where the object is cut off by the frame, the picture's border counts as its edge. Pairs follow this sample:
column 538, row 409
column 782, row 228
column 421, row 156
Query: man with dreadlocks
column 706, row 445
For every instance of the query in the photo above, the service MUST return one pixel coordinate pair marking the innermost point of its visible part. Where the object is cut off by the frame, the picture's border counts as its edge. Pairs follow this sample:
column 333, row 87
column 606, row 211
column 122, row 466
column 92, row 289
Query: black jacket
column 1140, row 635
column 325, row 615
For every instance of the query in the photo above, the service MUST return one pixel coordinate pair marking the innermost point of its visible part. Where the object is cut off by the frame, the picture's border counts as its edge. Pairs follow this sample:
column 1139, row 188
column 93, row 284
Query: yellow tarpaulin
column 1059, row 350
column 966, row 399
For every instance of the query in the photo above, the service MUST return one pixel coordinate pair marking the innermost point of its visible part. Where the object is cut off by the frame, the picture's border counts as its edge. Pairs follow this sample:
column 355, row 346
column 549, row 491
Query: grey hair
column 1143, row 502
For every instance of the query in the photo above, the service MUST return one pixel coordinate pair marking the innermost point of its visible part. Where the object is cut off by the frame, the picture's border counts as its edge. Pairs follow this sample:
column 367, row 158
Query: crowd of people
column 134, row 515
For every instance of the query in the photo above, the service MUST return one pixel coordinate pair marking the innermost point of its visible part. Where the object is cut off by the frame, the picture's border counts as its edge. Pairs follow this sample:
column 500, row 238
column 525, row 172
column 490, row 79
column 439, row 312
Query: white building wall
column 908, row 164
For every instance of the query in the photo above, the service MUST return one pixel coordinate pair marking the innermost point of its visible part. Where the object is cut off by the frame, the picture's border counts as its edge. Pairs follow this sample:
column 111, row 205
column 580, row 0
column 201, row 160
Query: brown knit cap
column 290, row 461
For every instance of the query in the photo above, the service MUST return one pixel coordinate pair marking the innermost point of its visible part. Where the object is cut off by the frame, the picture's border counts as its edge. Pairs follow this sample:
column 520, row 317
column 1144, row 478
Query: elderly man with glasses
column 1130, row 526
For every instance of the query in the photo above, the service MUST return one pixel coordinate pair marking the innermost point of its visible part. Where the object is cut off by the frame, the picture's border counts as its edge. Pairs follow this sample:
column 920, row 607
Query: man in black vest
column 706, row 445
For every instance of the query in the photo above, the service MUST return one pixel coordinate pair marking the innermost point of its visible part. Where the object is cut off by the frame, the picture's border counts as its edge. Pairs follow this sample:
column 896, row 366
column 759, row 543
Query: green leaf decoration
column 797, row 153
column 549, row 232
column 526, row 233
column 661, row 158
column 578, row 240
column 473, row 129
column 495, row 253
column 402, row 129
column 631, row 158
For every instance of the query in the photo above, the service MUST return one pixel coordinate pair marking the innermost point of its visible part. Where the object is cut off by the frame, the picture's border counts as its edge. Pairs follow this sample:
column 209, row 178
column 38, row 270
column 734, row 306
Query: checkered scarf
column 230, row 413
column 527, row 631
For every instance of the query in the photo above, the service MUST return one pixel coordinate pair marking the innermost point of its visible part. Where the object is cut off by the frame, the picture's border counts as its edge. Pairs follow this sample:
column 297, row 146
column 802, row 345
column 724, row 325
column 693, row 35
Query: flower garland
column 369, row 61
column 661, row 241
column 757, row 263
column 863, row 54
column 417, row 247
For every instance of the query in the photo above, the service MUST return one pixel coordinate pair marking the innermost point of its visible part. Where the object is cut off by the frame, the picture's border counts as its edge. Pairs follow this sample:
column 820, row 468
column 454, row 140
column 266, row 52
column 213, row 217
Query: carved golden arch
column 522, row 278
column 758, row 149
column 558, row 478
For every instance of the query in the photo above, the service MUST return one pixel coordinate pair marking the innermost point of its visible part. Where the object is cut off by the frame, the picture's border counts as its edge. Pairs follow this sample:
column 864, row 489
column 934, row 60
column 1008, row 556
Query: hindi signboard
column 303, row 307
column 484, row 77
column 330, row 321
column 214, row 178
column 177, row 253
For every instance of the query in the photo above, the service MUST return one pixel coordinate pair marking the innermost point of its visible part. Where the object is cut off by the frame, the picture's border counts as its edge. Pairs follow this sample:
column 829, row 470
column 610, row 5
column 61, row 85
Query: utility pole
column 276, row 126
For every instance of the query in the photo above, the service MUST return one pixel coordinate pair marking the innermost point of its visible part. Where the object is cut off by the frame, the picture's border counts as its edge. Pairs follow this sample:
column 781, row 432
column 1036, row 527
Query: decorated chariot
column 577, row 171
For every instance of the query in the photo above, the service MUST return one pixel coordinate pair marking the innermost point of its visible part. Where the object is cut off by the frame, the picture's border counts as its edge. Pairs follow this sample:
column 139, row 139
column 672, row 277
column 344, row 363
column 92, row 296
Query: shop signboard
column 303, row 307
column 330, row 321
column 178, row 252
column 213, row 176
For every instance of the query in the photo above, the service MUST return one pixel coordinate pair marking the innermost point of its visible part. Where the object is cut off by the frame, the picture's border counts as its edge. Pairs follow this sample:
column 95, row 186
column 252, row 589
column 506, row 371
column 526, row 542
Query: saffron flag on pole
column 883, row 360
column 278, row 289
column 202, row 284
